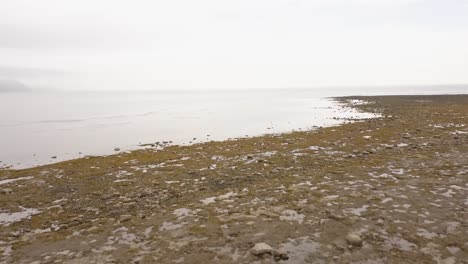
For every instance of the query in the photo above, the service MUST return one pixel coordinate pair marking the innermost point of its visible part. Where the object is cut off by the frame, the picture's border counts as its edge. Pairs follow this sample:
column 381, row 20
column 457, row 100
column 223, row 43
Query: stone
column 117, row 149
column 340, row 244
column 261, row 248
column 279, row 254
column 354, row 240
column 6, row 191
column 125, row 218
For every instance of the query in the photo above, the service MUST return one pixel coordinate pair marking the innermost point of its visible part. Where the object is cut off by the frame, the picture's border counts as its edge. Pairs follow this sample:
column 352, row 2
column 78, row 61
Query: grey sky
column 186, row 44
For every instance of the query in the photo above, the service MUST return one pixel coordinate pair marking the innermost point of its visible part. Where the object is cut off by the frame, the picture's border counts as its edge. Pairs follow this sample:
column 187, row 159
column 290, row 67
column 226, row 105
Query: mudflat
column 392, row 189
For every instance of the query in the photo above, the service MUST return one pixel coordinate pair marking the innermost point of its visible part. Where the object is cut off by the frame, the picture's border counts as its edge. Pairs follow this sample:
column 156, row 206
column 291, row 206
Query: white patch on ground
column 452, row 227
column 218, row 158
column 13, row 180
column 183, row 212
column 208, row 200
column 331, row 197
column 358, row 211
column 60, row 200
column 226, row 196
column 122, row 180
column 148, row 231
column 299, row 249
column 453, row 250
column 8, row 218
column 171, row 226
column 456, row 187
column 291, row 215
column 7, row 251
column 398, row 171
column 448, row 193
column 268, row 153
column 358, row 102
column 426, row 234
column 123, row 173
column 447, row 125
column 127, row 239
column 399, row 243
column 386, row 200
column 171, row 182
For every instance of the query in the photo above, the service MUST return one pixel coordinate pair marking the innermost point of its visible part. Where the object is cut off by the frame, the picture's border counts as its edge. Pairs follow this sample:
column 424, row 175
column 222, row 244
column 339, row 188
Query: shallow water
column 34, row 127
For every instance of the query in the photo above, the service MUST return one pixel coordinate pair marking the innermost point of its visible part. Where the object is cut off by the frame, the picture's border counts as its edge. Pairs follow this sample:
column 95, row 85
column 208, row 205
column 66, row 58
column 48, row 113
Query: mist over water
column 37, row 126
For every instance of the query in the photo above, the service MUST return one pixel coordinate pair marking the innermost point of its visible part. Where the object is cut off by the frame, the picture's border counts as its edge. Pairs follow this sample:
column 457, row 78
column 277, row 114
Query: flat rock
column 261, row 248
column 354, row 240
column 125, row 218
column 6, row 191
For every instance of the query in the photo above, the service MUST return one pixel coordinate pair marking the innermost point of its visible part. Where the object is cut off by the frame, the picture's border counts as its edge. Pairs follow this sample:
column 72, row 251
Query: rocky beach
column 391, row 189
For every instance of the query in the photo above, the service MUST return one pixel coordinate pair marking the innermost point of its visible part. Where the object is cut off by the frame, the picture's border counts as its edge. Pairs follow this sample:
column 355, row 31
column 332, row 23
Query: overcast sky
column 187, row 44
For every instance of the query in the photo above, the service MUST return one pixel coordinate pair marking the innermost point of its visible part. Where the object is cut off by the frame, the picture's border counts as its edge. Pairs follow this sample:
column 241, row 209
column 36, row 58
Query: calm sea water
column 34, row 127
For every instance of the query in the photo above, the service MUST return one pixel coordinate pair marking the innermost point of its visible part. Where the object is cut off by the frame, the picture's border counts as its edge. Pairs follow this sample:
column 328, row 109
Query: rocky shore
column 393, row 189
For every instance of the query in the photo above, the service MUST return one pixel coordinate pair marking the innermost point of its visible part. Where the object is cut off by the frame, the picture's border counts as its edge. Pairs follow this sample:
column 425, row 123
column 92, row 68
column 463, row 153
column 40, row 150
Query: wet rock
column 280, row 254
column 354, row 240
column 261, row 248
column 117, row 149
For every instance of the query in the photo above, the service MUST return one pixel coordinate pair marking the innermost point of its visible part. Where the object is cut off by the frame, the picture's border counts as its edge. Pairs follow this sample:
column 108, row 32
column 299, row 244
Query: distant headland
column 13, row 86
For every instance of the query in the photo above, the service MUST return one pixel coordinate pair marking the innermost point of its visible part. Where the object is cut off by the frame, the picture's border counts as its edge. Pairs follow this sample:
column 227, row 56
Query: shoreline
column 339, row 116
column 388, row 189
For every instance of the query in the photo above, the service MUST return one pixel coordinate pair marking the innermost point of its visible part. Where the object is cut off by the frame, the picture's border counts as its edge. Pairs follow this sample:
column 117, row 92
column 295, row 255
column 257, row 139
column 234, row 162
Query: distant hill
column 13, row 86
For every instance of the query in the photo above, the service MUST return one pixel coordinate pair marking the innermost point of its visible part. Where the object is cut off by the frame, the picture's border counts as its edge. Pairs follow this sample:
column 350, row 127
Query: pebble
column 261, row 248
column 125, row 218
column 117, row 149
column 354, row 240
